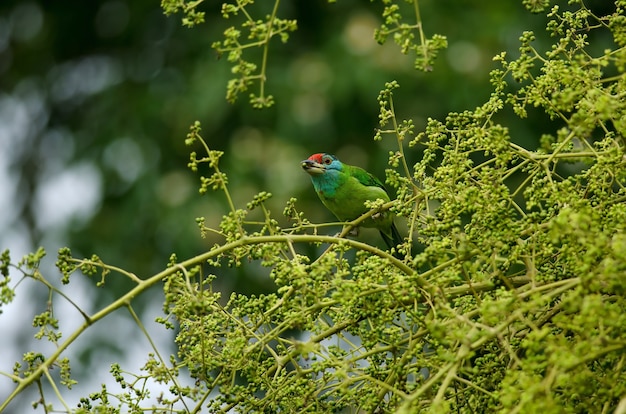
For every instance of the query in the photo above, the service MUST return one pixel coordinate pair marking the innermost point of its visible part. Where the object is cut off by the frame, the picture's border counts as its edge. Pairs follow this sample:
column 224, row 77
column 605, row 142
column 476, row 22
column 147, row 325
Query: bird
column 344, row 189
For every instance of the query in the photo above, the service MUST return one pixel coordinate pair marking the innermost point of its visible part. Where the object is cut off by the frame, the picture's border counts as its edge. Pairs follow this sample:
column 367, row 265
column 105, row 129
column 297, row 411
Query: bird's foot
column 353, row 232
column 379, row 215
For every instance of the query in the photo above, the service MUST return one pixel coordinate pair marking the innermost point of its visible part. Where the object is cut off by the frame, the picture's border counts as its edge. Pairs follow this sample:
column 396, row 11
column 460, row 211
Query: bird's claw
column 379, row 215
column 353, row 232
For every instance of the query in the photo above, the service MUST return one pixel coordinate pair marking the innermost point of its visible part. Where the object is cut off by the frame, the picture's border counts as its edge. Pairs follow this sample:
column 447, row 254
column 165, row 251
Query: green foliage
column 536, row 6
column 252, row 33
column 403, row 33
column 241, row 41
column 509, row 296
column 191, row 17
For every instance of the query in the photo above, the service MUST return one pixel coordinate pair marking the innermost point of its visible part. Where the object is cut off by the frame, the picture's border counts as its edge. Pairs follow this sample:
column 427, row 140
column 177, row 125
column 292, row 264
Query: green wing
column 366, row 178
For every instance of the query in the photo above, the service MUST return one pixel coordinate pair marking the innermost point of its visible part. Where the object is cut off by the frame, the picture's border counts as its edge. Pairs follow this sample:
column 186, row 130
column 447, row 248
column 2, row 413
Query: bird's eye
column 327, row 160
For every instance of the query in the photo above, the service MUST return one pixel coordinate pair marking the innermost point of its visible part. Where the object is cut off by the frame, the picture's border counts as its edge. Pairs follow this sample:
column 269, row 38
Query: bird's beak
column 313, row 167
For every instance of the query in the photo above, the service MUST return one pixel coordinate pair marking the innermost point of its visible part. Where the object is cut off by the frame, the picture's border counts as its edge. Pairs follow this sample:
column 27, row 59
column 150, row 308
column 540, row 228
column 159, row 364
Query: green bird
column 344, row 189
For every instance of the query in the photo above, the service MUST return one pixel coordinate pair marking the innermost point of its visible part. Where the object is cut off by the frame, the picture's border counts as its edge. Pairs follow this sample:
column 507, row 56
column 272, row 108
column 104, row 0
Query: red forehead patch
column 317, row 158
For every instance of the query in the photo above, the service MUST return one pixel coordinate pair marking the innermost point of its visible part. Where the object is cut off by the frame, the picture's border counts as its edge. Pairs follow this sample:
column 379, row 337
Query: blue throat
column 326, row 183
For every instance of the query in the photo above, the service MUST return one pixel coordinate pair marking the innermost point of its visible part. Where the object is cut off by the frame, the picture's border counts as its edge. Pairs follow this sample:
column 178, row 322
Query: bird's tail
column 393, row 239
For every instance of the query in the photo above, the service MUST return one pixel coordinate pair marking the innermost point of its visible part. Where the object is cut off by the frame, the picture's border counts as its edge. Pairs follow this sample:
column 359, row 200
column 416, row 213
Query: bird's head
column 318, row 164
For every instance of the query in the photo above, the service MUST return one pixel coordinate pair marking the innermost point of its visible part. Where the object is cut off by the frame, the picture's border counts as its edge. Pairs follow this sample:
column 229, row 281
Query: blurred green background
column 96, row 98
